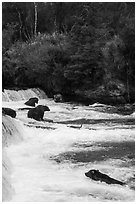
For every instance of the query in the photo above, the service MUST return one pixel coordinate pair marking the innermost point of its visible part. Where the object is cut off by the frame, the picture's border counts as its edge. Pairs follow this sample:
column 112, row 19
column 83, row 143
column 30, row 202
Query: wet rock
column 38, row 112
column 98, row 176
column 127, row 109
column 40, row 126
column 58, row 98
column 9, row 111
column 74, row 126
column 24, row 108
column 32, row 101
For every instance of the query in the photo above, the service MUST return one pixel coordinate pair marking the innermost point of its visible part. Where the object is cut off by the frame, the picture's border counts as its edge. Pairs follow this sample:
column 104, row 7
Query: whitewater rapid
column 50, row 162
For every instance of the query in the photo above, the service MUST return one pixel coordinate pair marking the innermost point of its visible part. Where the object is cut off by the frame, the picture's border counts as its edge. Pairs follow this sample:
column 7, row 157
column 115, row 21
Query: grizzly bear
column 32, row 101
column 38, row 112
column 98, row 176
column 9, row 111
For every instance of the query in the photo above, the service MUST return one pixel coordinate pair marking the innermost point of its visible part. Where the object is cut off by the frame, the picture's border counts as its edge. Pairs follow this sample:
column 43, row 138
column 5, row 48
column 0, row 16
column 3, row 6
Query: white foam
column 37, row 178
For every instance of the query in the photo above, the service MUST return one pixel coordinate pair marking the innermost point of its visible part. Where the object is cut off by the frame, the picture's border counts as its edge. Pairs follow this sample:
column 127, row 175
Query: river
column 50, row 161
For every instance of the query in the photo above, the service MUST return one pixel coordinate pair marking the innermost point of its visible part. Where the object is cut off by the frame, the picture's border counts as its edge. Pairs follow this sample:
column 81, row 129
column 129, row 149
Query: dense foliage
column 77, row 49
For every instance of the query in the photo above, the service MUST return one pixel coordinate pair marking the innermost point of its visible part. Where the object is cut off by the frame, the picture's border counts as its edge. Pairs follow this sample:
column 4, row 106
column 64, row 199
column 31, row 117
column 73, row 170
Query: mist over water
column 50, row 162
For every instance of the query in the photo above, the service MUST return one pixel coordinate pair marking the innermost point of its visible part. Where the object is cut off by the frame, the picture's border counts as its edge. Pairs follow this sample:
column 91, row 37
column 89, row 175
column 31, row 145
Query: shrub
column 41, row 62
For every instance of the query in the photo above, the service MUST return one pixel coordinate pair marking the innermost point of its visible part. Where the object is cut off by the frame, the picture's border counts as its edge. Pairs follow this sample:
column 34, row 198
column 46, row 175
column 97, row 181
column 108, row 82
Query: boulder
column 58, row 98
column 102, row 95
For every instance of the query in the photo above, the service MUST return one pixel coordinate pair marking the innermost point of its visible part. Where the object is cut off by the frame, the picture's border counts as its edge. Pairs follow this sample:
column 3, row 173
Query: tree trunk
column 20, row 29
column 36, row 19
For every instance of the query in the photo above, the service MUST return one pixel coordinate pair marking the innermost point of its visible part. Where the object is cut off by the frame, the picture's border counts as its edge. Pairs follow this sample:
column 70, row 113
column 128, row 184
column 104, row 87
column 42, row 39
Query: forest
column 82, row 50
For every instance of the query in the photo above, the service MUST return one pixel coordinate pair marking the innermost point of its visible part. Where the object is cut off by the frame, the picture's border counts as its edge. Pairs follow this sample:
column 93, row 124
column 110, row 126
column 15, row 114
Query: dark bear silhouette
column 32, row 101
column 9, row 111
column 58, row 98
column 38, row 112
column 98, row 176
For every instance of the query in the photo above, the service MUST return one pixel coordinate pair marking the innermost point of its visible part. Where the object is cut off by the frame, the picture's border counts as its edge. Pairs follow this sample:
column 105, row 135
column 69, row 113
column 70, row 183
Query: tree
column 82, row 46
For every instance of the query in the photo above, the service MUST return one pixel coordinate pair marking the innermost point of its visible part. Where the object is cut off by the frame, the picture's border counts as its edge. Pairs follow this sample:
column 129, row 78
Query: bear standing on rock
column 38, row 112
column 32, row 101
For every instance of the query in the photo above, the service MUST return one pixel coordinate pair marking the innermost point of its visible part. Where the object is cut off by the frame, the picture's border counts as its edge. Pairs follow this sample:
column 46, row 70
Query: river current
column 49, row 163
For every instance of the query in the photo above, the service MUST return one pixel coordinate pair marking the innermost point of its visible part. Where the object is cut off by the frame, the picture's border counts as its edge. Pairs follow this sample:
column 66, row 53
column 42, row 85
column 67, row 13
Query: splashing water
column 51, row 161
column 12, row 95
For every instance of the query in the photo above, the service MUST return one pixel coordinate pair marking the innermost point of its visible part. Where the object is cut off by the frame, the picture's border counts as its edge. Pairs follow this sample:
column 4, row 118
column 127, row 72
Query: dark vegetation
column 85, row 51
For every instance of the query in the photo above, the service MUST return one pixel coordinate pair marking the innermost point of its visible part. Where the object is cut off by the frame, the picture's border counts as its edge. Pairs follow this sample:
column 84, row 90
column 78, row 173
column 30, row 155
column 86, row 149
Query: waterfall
column 18, row 95
column 7, row 189
column 11, row 133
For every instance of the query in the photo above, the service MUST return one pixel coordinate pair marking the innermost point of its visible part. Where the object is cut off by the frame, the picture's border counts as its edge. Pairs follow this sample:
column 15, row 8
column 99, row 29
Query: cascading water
column 12, row 95
column 12, row 133
column 50, row 162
